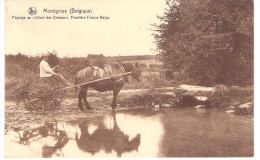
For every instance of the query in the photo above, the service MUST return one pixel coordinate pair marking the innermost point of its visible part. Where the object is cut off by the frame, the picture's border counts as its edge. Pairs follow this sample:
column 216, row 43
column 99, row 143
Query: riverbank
column 236, row 100
column 221, row 97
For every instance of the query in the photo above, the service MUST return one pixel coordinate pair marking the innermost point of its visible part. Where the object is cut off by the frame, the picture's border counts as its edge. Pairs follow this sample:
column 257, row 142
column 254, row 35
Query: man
column 46, row 71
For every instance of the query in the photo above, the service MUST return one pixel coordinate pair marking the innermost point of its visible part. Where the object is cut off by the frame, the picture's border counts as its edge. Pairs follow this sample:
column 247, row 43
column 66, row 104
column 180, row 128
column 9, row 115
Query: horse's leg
column 116, row 91
column 85, row 98
column 80, row 97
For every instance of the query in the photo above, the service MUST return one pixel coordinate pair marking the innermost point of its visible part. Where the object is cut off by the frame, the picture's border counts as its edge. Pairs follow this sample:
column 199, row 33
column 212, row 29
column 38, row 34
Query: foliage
column 231, row 96
column 208, row 41
column 95, row 56
column 53, row 58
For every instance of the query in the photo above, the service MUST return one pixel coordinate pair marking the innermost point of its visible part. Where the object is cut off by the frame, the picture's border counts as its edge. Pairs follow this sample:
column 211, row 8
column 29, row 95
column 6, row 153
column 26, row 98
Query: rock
column 157, row 107
column 196, row 88
column 246, row 108
column 200, row 106
column 231, row 108
column 166, row 105
column 230, row 111
column 171, row 93
column 248, row 105
column 202, row 98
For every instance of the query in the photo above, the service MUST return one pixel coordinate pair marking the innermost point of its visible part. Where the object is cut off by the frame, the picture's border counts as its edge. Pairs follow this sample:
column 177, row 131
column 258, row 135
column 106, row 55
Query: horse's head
column 136, row 72
column 134, row 68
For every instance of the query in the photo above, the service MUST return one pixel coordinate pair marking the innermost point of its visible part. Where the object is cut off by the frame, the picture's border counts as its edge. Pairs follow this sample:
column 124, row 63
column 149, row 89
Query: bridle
column 135, row 70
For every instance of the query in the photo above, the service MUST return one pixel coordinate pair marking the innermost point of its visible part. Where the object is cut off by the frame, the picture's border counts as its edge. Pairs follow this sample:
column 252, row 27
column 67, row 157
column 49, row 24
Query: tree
column 202, row 40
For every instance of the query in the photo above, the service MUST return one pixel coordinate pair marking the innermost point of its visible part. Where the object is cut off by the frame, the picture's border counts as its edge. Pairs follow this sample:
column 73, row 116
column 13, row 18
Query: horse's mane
column 128, row 66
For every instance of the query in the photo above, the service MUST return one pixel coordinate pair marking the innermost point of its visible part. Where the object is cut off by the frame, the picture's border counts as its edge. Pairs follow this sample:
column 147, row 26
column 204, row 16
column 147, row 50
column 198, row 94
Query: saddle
column 102, row 72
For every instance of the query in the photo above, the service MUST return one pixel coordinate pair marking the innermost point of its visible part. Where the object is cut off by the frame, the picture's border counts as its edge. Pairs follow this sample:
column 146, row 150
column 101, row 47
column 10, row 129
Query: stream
column 139, row 132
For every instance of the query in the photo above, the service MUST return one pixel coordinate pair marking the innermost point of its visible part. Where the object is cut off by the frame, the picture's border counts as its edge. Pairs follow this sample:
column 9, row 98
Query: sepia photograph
column 128, row 79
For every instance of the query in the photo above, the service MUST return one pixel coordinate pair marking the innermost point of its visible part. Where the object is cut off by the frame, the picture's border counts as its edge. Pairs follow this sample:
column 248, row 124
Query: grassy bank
column 232, row 97
column 225, row 98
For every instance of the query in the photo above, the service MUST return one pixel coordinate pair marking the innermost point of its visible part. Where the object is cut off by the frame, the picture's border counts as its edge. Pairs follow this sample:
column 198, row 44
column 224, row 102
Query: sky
column 127, row 32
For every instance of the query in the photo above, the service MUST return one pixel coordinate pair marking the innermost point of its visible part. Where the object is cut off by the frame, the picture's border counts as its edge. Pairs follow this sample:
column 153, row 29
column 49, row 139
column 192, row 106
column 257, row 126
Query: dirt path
column 20, row 118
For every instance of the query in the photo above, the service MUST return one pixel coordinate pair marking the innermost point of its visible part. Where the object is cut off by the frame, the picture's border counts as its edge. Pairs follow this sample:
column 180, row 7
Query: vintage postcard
column 128, row 78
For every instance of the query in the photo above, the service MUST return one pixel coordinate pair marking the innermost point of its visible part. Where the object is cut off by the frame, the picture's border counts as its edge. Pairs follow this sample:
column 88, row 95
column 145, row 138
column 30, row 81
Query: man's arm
column 46, row 67
column 55, row 67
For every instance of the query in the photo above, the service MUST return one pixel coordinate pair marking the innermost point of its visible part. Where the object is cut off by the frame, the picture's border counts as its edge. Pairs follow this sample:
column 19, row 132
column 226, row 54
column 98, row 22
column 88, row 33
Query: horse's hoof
column 89, row 108
column 113, row 110
column 115, row 105
column 80, row 110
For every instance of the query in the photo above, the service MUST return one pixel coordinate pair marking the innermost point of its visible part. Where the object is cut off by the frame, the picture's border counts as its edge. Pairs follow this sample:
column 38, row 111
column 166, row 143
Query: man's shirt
column 45, row 69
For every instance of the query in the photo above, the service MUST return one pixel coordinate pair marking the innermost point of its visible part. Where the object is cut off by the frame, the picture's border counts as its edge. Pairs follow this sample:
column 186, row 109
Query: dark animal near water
column 113, row 84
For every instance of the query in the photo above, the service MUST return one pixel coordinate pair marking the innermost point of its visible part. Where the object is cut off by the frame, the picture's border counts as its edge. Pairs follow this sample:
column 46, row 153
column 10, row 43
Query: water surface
column 143, row 132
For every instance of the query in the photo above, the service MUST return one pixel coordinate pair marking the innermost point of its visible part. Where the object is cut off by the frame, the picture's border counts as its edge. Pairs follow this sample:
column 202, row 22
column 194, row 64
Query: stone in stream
column 230, row 111
column 199, row 106
column 165, row 105
column 248, row 105
column 246, row 108
column 196, row 88
column 201, row 98
column 156, row 107
column 190, row 100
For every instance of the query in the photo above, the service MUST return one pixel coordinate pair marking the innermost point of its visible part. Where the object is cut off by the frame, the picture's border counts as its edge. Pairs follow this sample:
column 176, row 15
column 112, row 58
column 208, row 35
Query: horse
column 112, row 84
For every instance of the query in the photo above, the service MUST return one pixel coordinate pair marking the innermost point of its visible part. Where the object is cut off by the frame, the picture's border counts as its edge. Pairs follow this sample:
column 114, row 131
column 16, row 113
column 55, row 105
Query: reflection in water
column 106, row 139
column 96, row 136
column 49, row 138
column 176, row 132
column 56, row 138
column 60, row 138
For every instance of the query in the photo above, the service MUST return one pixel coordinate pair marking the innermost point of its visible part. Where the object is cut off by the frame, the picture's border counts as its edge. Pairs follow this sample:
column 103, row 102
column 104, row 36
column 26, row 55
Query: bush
column 155, row 66
column 231, row 96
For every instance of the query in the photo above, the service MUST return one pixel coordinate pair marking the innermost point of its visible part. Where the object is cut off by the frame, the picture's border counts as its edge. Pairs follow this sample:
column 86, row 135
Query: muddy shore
column 17, row 117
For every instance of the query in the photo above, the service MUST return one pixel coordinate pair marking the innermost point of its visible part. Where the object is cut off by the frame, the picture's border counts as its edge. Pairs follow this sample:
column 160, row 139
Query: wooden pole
column 95, row 81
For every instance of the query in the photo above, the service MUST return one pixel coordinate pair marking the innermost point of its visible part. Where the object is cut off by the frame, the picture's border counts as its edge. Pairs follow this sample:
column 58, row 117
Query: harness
column 108, row 73
column 112, row 84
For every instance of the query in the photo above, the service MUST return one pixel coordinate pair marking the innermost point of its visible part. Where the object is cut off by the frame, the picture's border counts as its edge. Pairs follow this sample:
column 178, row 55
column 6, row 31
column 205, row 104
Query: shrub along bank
column 234, row 99
column 237, row 100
